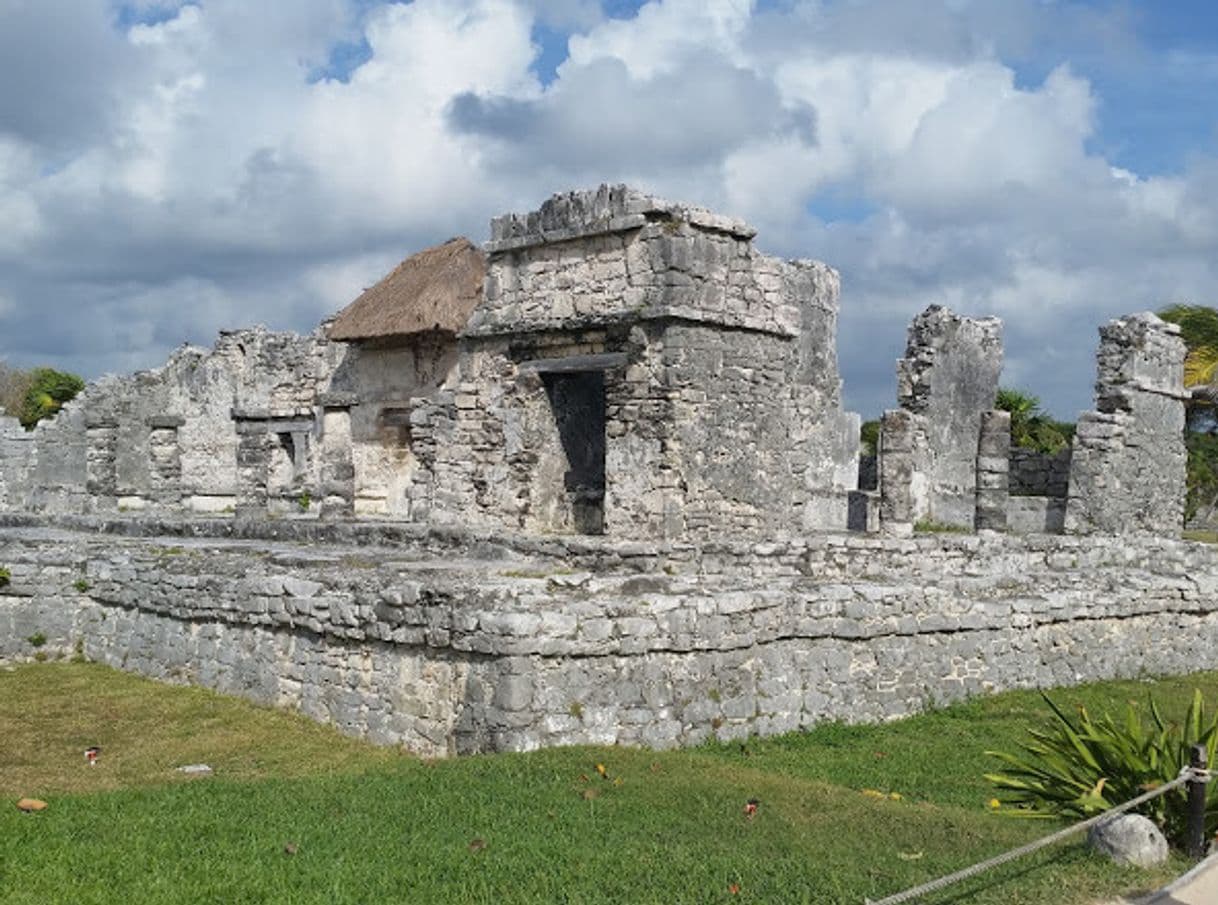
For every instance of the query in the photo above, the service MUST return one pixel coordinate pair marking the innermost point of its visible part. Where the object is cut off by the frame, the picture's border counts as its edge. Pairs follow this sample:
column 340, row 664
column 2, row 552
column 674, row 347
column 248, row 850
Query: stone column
column 253, row 462
column 949, row 377
column 165, row 459
column 16, row 445
column 337, row 461
column 1127, row 469
column 993, row 465
column 896, row 468
column 101, row 450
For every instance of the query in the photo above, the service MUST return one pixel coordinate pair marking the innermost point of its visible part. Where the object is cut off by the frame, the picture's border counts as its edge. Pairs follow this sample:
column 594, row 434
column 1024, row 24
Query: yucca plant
column 1080, row 767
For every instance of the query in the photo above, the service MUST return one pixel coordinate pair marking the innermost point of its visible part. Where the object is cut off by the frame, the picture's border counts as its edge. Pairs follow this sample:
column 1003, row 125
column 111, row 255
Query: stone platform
column 449, row 642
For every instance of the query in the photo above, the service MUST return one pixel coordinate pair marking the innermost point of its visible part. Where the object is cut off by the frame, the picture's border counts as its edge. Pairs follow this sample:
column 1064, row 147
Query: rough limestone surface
column 1127, row 469
column 451, row 642
column 1129, row 839
column 948, row 379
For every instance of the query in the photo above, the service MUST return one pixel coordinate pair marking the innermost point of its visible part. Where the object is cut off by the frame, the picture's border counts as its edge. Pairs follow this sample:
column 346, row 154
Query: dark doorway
column 577, row 400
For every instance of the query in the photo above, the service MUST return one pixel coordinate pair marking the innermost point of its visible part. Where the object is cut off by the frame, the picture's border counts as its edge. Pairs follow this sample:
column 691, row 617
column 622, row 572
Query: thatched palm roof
column 434, row 290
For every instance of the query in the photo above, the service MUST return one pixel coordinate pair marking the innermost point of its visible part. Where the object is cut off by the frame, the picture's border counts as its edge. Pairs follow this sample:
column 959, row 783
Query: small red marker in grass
column 91, row 754
column 750, row 808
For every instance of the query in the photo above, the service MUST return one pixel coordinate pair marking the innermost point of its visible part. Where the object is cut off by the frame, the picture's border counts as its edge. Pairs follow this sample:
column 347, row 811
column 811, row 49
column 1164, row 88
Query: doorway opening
column 577, row 402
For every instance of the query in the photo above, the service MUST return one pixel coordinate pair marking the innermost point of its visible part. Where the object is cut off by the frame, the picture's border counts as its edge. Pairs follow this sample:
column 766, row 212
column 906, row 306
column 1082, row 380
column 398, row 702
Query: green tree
column 48, row 391
column 1031, row 426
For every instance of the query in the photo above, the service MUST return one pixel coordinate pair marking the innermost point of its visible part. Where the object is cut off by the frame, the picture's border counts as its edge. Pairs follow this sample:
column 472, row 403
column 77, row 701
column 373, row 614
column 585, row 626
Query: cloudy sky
column 168, row 169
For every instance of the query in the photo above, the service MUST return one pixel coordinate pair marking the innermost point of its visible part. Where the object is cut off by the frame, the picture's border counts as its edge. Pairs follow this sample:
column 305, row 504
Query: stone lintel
column 573, row 363
column 337, row 400
column 396, row 415
column 163, row 422
column 277, row 422
column 681, row 313
column 100, row 422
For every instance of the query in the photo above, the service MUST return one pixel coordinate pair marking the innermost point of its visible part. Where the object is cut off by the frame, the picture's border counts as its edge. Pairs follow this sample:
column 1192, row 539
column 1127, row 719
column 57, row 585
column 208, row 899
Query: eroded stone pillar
column 16, row 446
column 337, row 460
column 253, row 463
column 948, row 378
column 1127, row 469
column 165, row 459
column 101, row 451
column 993, row 468
column 897, row 476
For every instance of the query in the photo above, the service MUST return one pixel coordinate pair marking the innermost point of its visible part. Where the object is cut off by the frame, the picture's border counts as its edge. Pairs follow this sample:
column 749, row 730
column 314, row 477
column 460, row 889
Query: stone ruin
column 593, row 483
column 610, row 363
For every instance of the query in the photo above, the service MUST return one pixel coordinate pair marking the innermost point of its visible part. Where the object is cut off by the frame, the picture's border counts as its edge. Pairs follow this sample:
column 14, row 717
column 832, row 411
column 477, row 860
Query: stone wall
column 168, row 438
column 1035, row 473
column 458, row 643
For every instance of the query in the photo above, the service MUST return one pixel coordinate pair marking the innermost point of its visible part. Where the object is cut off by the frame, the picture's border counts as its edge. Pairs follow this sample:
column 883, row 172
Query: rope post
column 1195, row 838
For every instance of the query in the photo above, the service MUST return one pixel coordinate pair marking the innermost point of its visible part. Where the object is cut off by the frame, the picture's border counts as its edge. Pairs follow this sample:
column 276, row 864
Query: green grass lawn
column 296, row 813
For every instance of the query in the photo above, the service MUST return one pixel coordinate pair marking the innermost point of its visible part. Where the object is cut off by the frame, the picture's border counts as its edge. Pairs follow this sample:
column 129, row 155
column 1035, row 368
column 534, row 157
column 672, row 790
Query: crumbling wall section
column 1127, row 470
column 166, row 438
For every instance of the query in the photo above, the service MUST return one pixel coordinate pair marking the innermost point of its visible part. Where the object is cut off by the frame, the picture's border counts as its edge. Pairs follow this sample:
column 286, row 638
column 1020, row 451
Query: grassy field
column 296, row 813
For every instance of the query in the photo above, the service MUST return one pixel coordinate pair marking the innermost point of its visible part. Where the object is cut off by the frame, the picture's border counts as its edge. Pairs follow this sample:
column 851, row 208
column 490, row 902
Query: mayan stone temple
column 593, row 482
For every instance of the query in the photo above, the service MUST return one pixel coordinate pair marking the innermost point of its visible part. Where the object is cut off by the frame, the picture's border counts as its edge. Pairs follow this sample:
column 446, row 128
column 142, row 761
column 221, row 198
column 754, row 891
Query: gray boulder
column 1129, row 839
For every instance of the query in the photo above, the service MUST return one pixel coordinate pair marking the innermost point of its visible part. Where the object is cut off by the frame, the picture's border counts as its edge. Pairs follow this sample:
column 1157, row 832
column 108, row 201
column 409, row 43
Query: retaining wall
column 453, row 643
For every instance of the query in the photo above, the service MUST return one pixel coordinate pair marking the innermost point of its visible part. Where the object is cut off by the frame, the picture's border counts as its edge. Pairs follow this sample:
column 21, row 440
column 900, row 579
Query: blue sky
column 168, row 169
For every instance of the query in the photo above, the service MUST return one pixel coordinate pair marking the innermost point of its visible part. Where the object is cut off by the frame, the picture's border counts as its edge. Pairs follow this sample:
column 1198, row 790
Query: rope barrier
column 1187, row 775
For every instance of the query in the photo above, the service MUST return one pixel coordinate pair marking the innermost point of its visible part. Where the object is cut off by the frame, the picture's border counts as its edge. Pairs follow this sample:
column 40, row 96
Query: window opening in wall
column 577, row 400
column 288, row 445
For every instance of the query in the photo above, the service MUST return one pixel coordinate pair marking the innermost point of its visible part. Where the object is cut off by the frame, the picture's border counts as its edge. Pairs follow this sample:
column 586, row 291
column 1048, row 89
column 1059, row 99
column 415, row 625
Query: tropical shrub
column 1031, row 426
column 48, row 391
column 1202, row 500
column 1078, row 768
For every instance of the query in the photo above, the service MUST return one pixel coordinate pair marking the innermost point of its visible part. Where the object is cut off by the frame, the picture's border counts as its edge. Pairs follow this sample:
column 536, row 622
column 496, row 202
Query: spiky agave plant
column 1080, row 767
